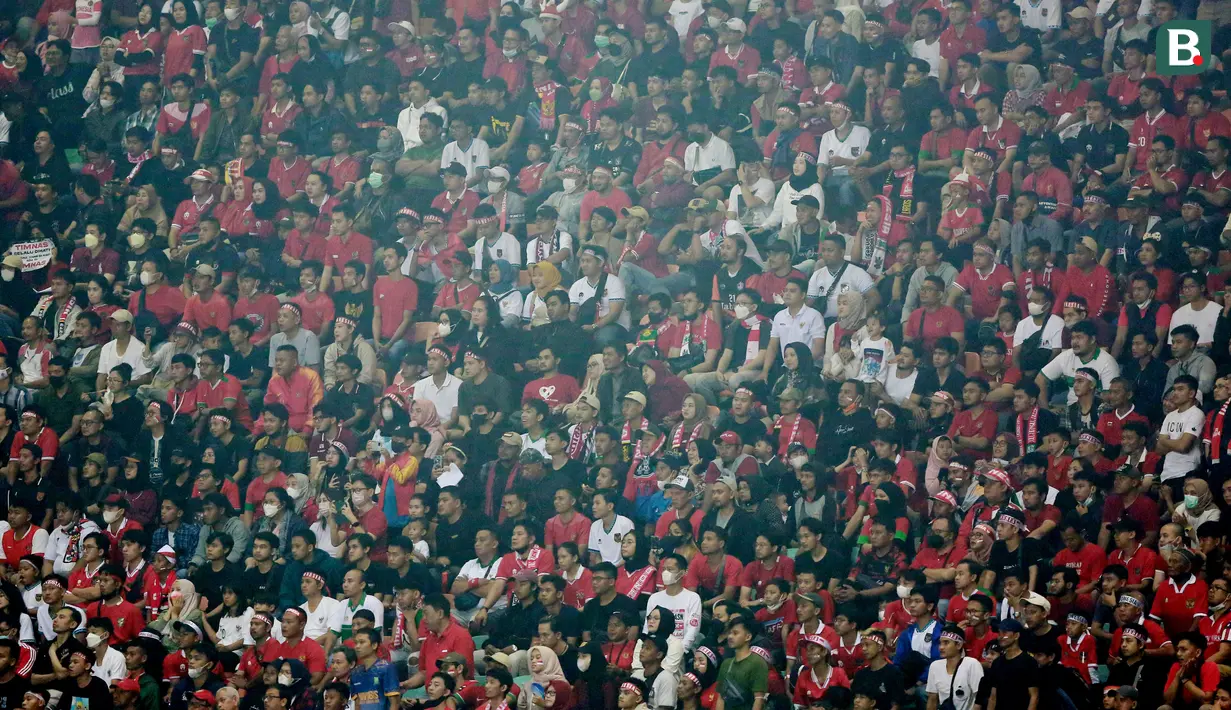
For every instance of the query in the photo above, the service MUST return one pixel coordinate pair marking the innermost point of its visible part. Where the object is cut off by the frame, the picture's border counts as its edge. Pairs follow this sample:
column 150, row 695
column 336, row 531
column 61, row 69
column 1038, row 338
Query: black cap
column 807, row 201
column 782, row 245
column 454, row 169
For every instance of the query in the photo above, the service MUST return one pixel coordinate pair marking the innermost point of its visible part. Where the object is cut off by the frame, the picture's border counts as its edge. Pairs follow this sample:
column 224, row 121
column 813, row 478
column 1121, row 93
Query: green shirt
column 740, row 681
column 425, row 152
column 60, row 410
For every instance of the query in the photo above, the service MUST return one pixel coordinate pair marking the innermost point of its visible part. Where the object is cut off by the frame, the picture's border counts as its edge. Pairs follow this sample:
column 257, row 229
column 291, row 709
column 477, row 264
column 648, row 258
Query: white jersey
column 686, row 606
column 607, row 542
column 327, row 617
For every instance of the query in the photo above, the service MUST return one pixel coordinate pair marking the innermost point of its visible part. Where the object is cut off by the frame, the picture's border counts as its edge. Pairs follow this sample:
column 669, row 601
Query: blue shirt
column 368, row 686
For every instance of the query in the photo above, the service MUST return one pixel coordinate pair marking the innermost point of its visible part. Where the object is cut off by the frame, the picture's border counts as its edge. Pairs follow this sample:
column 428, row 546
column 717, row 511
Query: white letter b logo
column 1184, row 42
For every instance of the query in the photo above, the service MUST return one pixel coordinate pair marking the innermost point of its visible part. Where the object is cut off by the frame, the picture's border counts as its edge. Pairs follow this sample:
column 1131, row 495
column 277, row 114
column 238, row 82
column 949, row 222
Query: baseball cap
column 98, row 458
column 511, row 438
column 206, row 270
column 812, row 597
column 591, row 400
column 681, row 481
column 700, row 204
column 531, row 456
column 792, row 393
column 1080, row 13
column 1130, row 471
column 498, row 173
column 1036, row 599
column 128, row 685
column 638, row 212
column 735, row 24
column 637, row 397
column 202, row 174
column 730, row 437
column 122, row 316
column 1012, row 626
column 453, row 657
column 944, row 497
column 454, row 169
column 405, row 25
column 728, row 481
column 781, row 245
column 999, row 476
column 204, row 696
column 808, row 201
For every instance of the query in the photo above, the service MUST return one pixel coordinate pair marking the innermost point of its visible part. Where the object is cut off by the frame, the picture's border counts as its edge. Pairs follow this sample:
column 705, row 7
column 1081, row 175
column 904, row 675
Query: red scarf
column 678, row 443
column 579, row 442
column 1030, row 438
column 793, row 436
column 1044, row 278
column 642, row 579
column 1217, row 426
column 547, row 104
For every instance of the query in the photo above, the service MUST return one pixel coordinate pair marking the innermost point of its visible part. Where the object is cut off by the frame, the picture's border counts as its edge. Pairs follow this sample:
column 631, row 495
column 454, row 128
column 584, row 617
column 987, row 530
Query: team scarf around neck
column 1216, row 432
column 1029, row 438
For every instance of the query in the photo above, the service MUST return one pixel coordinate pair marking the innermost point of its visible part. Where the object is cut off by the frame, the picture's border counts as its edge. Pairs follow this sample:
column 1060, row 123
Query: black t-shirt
column 1004, row 561
column 378, row 577
column 95, row 696
column 594, row 615
column 572, row 470
column 1101, row 147
column 13, row 692
column 1031, row 641
column 886, row 685
column 842, row 431
column 499, row 123
column 834, row 565
column 42, row 663
column 210, row 584
column 241, row 365
column 460, row 76
column 356, row 306
column 997, row 42
column 61, row 95
column 258, row 582
column 1072, row 53
column 748, row 431
column 1012, row 678
column 666, row 60
column 623, row 158
column 230, row 43
column 456, row 540
column 419, row 577
column 928, row 382
column 728, row 286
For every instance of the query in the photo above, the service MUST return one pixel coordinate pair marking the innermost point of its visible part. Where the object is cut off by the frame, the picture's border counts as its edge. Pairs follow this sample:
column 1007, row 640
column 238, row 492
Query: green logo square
column 1183, row 47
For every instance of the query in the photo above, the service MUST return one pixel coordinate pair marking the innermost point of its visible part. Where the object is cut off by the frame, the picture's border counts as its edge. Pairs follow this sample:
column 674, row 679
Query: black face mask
column 398, row 446
column 656, row 318
column 696, row 137
column 478, row 419
column 685, row 316
column 57, row 381
column 936, row 541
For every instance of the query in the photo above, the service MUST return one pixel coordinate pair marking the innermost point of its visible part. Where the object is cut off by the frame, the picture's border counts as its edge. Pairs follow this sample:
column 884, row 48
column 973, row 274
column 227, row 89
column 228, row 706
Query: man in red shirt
column 1153, row 121
column 1163, row 183
column 33, row 430
column 985, row 282
column 457, row 202
column 264, row 649
column 552, row 387
column 295, row 645
column 394, row 301
column 961, row 36
column 603, row 193
column 567, row 525
column 1051, row 184
column 974, row 428
column 439, row 636
column 768, row 565
column 1200, row 124
column 1191, row 673
column 125, row 617
column 343, row 245
column 207, row 307
column 993, row 132
column 1085, row 558
column 157, row 296
column 188, row 214
column 1087, row 278
column 270, row 475
column 933, row 320
column 287, row 170
column 1181, row 598
column 1140, row 561
column 259, row 307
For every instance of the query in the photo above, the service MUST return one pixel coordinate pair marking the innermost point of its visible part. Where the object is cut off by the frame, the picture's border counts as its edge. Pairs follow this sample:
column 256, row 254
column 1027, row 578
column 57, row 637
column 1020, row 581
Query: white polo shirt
column 715, row 153
column 1053, row 332
column 804, row 327
column 326, row 617
column 607, row 542
column 582, row 290
column 444, row 396
column 505, row 246
column 855, row 145
column 853, row 278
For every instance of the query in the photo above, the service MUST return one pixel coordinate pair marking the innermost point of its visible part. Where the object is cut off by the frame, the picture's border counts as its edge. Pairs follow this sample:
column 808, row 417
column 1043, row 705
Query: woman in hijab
column 783, row 217
column 313, row 65
column 185, row 40
column 592, row 667
column 134, row 485
column 939, row 454
column 503, row 290
column 1198, row 507
column 1027, row 91
column 636, row 578
column 852, row 312
column 266, row 208
column 423, row 414
column 600, row 100
column 545, row 278
column 451, row 332
column 545, row 675
column 660, row 623
column 299, row 488
column 183, row 604
column 665, row 391
column 705, row 662
column 294, row 677
column 798, row 372
column 487, row 334
column 694, row 423
column 890, row 504
column 389, row 144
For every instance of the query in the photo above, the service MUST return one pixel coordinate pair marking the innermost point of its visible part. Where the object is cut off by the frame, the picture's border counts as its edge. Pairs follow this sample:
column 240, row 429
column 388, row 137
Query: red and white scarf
column 642, row 579
column 678, row 442
column 1218, row 425
column 1029, row 438
column 580, row 442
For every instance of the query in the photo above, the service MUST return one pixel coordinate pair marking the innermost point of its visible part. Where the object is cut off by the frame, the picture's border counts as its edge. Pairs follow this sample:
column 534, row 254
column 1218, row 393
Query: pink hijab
column 423, row 414
column 591, row 109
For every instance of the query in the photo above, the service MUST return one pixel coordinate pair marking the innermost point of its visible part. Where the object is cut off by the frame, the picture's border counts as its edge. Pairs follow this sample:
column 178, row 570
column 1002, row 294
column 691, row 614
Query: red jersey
column 1111, row 424
column 745, row 62
column 261, row 311
column 800, row 430
column 457, row 210
column 1059, row 102
column 1214, row 629
column 961, row 98
column 1176, row 605
column 848, row 658
column 1001, row 139
column 308, row 652
column 344, row 172
column 965, row 223
column 125, row 617
column 215, row 311
column 395, row 299
column 1055, row 192
column 1195, row 133
column 1142, row 133
column 171, row 119
column 1173, row 175
column 984, row 290
column 1141, row 564
column 930, row 327
column 756, row 575
column 182, row 50
column 1088, row 562
column 576, row 530
column 355, row 247
column 580, row 590
column 537, row 558
column 1210, row 182
column 700, row 576
column 290, row 179
column 1097, row 286
column 1081, row 655
column 809, row 688
column 967, row 423
column 189, row 213
column 972, row 41
column 254, row 658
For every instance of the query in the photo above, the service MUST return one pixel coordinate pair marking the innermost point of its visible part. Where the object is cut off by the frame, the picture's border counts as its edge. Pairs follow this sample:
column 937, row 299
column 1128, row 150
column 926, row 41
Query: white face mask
column 444, row 329
column 92, row 640
column 904, row 592
column 270, row 510
column 494, row 186
column 583, row 663
column 112, row 516
column 106, row 102
column 671, row 577
column 146, row 278
column 799, row 462
column 196, row 673
column 8, row 274
column 742, row 312
column 285, row 679
column 1036, row 309
column 136, row 240
column 714, row 22
column 91, row 241
column 293, row 492
column 231, row 13
column 570, row 184
column 509, row 53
